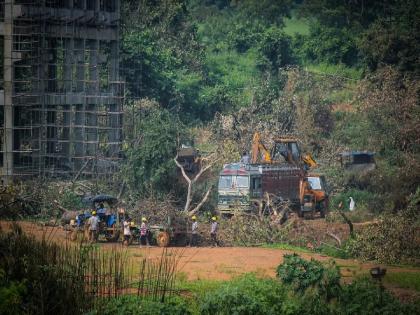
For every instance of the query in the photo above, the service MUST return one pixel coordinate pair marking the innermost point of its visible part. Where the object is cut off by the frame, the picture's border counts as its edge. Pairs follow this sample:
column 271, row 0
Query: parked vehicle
column 109, row 219
column 358, row 161
column 281, row 172
column 173, row 232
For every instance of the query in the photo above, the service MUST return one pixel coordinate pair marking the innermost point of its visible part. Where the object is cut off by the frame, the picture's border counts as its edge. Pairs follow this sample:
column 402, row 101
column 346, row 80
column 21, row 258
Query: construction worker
column 213, row 231
column 93, row 223
column 127, row 231
column 194, row 232
column 144, row 232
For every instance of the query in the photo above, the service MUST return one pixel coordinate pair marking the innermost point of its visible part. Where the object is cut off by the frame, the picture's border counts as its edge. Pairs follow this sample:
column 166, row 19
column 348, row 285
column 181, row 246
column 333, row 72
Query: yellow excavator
column 313, row 195
column 284, row 149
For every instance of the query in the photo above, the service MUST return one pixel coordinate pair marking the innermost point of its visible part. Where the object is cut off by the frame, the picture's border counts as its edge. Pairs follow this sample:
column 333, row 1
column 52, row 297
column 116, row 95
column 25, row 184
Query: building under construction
column 61, row 95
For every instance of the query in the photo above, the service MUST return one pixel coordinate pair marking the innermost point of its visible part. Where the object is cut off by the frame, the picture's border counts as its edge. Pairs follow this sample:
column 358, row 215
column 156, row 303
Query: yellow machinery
column 313, row 195
column 284, row 150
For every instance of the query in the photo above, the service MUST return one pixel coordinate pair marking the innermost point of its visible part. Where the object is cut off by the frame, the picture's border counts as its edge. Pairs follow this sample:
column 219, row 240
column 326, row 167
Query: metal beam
column 7, row 170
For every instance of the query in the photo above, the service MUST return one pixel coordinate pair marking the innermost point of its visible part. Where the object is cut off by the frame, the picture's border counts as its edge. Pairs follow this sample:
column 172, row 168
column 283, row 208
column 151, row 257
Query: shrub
column 393, row 239
column 70, row 200
column 136, row 305
column 246, row 295
column 11, row 295
column 365, row 297
column 301, row 275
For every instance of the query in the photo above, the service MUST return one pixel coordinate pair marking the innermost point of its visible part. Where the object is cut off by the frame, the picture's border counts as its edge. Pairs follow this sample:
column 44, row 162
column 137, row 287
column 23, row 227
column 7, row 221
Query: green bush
column 333, row 251
column 11, row 295
column 136, row 305
column 70, row 200
column 246, row 295
column 365, row 297
column 391, row 240
column 302, row 275
column 311, row 283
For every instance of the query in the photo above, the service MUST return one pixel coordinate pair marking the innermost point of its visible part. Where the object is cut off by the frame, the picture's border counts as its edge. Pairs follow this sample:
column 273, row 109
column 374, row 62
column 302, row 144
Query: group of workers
column 213, row 232
column 144, row 239
column 128, row 224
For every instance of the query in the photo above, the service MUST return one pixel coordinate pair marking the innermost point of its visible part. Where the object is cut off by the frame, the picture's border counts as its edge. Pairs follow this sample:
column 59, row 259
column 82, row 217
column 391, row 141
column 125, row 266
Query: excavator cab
column 287, row 150
column 284, row 150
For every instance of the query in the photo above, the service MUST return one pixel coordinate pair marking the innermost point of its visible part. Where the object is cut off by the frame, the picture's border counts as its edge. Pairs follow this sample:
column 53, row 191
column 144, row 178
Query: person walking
column 144, row 232
column 93, row 223
column 194, row 232
column 127, row 231
column 352, row 204
column 213, row 231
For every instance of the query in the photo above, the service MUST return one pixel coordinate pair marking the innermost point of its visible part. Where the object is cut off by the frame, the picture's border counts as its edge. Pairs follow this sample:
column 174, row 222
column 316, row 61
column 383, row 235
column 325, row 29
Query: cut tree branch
column 335, row 237
column 192, row 181
column 202, row 202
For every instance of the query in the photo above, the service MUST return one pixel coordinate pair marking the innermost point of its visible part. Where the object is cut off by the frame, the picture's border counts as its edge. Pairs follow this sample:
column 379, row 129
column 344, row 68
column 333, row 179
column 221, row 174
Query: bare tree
column 211, row 160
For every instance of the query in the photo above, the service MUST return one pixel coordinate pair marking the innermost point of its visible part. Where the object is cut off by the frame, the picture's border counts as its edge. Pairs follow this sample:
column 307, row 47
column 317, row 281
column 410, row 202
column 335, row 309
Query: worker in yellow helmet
column 93, row 223
column 213, row 231
column 144, row 231
column 194, row 232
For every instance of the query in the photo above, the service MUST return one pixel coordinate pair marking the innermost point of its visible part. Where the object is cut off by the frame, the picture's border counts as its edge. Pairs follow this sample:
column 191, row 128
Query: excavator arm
column 259, row 148
column 309, row 160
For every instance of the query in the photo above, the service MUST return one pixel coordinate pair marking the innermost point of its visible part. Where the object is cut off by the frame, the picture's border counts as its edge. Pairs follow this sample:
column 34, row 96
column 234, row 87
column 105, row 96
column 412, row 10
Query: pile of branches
column 252, row 230
column 157, row 211
column 17, row 202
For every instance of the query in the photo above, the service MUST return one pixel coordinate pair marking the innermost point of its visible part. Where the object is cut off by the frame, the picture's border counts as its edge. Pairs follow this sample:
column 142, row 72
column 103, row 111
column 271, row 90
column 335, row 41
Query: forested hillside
column 205, row 76
column 340, row 75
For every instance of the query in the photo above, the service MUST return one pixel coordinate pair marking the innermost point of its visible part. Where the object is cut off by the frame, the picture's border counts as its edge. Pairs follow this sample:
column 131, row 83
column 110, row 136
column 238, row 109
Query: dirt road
column 221, row 263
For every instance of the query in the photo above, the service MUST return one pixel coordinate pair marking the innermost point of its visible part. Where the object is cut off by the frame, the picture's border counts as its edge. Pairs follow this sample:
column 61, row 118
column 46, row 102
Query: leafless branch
column 192, row 181
column 335, row 237
column 202, row 202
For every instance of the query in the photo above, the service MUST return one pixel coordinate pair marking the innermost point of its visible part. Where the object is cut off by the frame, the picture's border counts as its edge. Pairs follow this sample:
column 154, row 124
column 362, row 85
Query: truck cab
column 238, row 184
column 315, row 196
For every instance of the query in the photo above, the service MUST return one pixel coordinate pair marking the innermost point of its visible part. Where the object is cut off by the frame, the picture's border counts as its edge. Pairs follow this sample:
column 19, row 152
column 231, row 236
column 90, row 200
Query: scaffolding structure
column 61, row 99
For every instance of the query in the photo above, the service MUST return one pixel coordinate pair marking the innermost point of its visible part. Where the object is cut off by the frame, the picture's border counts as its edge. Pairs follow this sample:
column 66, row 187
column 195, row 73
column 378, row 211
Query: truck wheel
column 162, row 239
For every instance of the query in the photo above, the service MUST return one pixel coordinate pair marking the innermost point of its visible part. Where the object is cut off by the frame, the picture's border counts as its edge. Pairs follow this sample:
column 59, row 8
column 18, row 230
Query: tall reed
column 60, row 278
column 157, row 276
column 72, row 278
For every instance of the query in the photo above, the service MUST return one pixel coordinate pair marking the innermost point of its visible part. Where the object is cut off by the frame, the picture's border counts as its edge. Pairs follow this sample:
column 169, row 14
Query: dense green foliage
column 301, row 274
column 150, row 165
column 247, row 295
column 251, row 295
column 127, row 304
column 330, row 83
column 392, row 239
column 367, row 34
